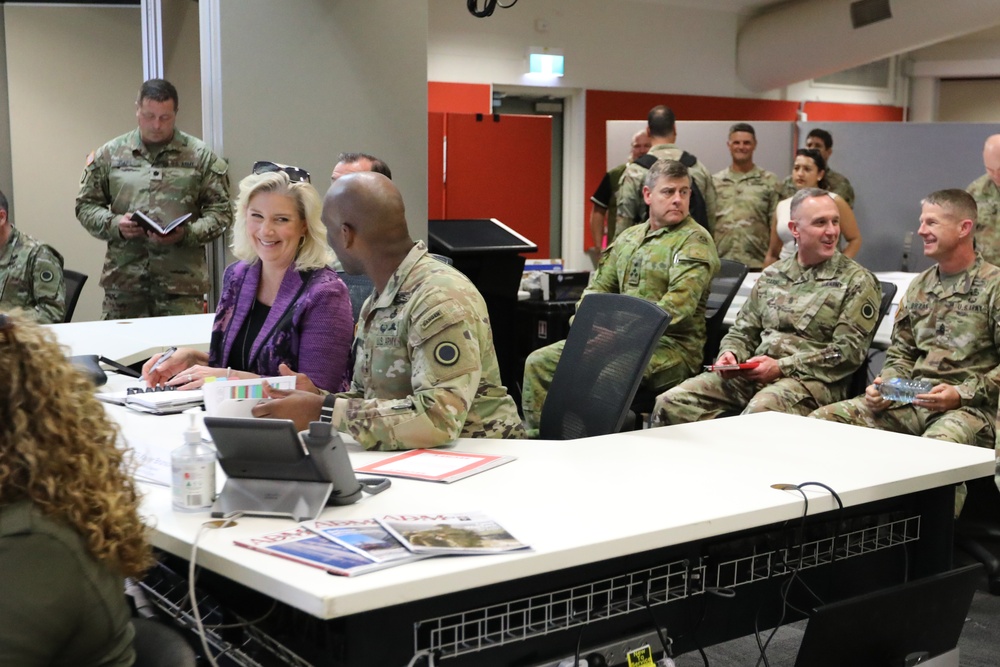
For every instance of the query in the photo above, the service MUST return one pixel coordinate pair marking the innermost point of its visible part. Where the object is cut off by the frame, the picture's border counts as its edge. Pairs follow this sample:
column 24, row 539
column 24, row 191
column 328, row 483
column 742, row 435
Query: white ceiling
column 734, row 6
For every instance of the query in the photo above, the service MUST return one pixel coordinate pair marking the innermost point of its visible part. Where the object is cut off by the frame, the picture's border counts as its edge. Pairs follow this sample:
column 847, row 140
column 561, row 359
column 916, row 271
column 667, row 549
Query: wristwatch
column 326, row 412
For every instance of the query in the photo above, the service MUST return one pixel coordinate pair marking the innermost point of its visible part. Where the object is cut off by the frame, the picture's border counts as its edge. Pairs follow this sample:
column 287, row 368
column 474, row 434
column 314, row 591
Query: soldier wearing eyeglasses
column 165, row 174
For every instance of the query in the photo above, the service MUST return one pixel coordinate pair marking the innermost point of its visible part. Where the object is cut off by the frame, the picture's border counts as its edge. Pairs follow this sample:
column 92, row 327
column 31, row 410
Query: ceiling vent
column 866, row 12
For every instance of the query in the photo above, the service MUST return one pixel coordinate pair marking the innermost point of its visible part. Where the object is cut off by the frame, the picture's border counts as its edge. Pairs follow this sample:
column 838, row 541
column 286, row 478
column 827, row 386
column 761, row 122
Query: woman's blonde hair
column 59, row 450
column 315, row 252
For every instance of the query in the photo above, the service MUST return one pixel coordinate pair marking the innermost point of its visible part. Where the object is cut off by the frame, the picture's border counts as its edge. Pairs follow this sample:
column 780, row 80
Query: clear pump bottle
column 193, row 472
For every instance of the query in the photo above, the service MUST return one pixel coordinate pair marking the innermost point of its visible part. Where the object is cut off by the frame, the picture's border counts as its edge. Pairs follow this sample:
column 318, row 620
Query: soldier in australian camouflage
column 670, row 259
column 808, row 323
column 164, row 173
column 746, row 197
column 425, row 371
column 31, row 273
column 986, row 191
column 947, row 331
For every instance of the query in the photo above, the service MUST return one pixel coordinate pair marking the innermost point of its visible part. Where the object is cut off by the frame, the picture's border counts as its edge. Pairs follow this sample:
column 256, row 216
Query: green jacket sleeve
column 48, row 285
column 215, row 210
column 442, row 393
column 744, row 336
column 93, row 202
column 694, row 265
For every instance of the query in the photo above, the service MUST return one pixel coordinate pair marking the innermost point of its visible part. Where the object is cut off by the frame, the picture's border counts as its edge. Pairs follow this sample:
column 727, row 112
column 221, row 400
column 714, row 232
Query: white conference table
column 129, row 341
column 882, row 335
column 580, row 504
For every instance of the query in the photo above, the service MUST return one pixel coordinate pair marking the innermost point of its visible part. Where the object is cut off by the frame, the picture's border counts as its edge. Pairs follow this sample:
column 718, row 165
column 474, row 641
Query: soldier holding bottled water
column 942, row 369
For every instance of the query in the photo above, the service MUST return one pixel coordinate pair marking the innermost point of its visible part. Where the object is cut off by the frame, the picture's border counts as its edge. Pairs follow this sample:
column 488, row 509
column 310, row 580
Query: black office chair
column 359, row 287
column 608, row 348
column 441, row 258
column 862, row 378
column 722, row 291
column 979, row 525
column 74, row 287
column 159, row 645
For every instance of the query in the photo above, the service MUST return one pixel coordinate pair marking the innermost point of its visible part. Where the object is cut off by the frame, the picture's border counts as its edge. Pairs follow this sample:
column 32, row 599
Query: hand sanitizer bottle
column 193, row 472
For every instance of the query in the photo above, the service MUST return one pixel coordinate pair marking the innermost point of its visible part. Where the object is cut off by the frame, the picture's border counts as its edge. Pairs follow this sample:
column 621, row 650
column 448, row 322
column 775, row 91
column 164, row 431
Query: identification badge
column 641, row 657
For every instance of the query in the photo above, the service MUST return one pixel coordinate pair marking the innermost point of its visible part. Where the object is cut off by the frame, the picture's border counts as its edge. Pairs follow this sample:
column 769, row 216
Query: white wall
column 72, row 75
column 631, row 46
column 301, row 86
column 969, row 101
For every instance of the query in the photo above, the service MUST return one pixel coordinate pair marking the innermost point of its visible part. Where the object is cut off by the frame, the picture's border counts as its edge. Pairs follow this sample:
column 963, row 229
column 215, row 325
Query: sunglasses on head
column 296, row 174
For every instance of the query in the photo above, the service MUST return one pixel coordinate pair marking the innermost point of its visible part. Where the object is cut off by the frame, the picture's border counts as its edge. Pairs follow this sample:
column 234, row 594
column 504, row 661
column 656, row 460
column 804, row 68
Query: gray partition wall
column 892, row 166
column 302, row 81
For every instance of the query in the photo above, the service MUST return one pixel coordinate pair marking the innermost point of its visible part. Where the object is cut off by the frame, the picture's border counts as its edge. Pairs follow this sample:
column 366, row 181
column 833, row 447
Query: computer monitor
column 881, row 629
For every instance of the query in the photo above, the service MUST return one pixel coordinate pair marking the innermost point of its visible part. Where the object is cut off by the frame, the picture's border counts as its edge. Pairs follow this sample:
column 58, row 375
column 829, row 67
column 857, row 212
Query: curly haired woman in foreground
column 70, row 530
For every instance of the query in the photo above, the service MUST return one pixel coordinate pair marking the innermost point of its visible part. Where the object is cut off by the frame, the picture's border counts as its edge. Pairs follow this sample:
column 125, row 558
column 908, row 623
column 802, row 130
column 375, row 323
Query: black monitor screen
column 454, row 237
column 881, row 629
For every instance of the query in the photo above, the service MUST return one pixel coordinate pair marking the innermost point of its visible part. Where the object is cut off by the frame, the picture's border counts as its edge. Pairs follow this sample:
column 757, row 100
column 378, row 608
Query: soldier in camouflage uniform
column 986, row 191
column 669, row 260
column 947, row 331
column 663, row 133
column 808, row 323
column 426, row 370
column 164, row 173
column 746, row 198
column 605, row 197
column 31, row 273
column 822, row 141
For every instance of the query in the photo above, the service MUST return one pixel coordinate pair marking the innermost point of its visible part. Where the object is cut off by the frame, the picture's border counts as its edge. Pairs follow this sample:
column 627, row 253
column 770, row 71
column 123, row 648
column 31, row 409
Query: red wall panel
column 501, row 167
column 862, row 113
column 435, row 165
column 459, row 97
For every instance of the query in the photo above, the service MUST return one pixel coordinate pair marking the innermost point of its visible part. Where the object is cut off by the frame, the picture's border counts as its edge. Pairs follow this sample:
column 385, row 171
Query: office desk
column 668, row 510
column 130, row 341
column 884, row 332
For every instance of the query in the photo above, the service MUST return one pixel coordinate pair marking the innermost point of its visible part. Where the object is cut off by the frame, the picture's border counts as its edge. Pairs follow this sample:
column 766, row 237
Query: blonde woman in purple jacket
column 280, row 303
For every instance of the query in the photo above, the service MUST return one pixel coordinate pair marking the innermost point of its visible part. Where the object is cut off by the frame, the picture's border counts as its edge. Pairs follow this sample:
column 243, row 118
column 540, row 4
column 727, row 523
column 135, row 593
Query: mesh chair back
column 608, row 348
column 860, row 380
column 74, row 287
column 722, row 291
column 359, row 287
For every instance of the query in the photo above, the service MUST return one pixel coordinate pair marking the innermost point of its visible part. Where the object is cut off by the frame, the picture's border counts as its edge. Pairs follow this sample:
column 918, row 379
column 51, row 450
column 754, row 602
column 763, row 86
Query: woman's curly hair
column 59, row 450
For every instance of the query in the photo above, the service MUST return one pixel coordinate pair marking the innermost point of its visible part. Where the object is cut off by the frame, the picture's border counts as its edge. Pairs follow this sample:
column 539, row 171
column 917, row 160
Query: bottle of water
column 193, row 472
column 903, row 390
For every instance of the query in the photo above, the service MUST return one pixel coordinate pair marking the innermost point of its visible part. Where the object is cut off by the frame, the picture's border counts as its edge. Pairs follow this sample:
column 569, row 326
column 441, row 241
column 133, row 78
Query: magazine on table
column 459, row 533
column 304, row 546
column 365, row 537
column 434, row 465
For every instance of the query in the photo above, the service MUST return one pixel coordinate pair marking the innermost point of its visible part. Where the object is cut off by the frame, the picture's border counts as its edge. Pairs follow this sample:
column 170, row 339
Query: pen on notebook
column 163, row 357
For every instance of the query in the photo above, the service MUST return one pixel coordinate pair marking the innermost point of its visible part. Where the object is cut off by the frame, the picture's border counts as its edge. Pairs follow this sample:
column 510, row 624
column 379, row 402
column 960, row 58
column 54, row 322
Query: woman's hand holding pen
column 161, row 368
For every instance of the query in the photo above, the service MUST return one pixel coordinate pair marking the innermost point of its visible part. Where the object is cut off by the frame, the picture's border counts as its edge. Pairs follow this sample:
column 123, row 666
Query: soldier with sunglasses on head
column 280, row 303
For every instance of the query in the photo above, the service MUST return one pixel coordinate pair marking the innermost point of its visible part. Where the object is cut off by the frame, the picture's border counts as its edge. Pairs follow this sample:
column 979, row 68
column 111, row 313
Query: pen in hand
column 163, row 357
